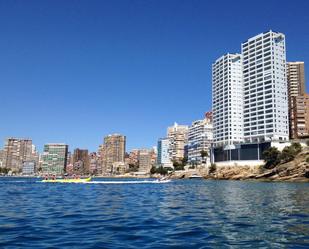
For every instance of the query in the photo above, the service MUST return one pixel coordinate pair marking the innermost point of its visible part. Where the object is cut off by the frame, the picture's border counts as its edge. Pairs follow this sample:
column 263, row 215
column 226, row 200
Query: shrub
column 271, row 157
column 288, row 154
column 297, row 147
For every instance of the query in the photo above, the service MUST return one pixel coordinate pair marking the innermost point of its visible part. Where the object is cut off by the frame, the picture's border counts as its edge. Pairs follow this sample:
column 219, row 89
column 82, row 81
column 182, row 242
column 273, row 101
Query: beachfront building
column 265, row 88
column 80, row 161
column 177, row 135
column 200, row 137
column 300, row 116
column 163, row 156
column 144, row 160
column 227, row 101
column 54, row 158
column 29, row 168
column 16, row 151
column 113, row 150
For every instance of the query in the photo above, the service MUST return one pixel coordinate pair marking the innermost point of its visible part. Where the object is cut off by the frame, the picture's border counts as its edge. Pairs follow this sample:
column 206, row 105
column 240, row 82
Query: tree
column 271, row 157
column 212, row 168
column 153, row 170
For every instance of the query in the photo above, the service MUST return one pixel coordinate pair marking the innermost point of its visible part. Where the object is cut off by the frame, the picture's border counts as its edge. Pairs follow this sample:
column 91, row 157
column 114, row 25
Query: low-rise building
column 28, row 168
column 54, row 158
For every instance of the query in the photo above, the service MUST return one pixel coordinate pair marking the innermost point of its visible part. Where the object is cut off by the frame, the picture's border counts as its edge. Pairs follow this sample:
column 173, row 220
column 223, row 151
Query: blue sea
column 132, row 213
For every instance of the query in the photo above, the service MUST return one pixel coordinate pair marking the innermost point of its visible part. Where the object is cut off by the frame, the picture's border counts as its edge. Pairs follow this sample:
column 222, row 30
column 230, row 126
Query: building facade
column 177, row 135
column 29, row 168
column 80, row 161
column 54, row 158
column 300, row 117
column 265, row 88
column 163, row 156
column 296, row 88
column 144, row 160
column 113, row 150
column 227, row 101
column 16, row 152
column 200, row 137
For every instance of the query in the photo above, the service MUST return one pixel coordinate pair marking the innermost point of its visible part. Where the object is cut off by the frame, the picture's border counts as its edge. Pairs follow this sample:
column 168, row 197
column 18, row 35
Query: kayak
column 68, row 180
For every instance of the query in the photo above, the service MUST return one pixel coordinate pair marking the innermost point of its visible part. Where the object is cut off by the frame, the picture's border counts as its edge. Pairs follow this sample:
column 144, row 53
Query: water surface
column 178, row 214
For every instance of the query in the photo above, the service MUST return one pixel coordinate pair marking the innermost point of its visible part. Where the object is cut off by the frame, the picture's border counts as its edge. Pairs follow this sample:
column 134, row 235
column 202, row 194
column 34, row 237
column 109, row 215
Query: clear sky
column 75, row 71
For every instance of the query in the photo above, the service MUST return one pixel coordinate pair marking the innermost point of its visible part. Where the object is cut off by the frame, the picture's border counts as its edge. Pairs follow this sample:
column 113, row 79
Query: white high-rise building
column 177, row 135
column 265, row 88
column 227, row 100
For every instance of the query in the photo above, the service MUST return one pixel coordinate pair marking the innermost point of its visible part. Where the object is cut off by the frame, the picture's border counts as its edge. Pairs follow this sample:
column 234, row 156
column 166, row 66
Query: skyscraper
column 227, row 100
column 296, row 79
column 54, row 158
column 113, row 150
column 265, row 88
column 177, row 136
column 16, row 151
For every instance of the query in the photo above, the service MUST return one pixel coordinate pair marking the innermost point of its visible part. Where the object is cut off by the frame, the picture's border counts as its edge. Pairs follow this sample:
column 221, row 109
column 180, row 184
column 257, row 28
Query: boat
column 68, row 180
column 195, row 176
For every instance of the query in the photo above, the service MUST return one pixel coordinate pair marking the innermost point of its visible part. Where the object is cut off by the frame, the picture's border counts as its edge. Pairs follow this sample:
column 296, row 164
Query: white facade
column 227, row 100
column 163, row 157
column 265, row 88
column 200, row 136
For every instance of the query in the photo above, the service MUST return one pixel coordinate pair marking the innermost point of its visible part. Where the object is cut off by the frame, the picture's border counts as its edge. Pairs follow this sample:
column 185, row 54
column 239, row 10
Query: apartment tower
column 265, row 88
column 227, row 101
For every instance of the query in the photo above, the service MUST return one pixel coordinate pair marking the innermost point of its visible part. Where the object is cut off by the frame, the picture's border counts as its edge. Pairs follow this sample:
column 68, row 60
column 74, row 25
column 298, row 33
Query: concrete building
column 54, row 158
column 300, row 117
column 113, row 150
column 16, row 151
column 296, row 87
column 200, row 137
column 144, row 160
column 265, row 88
column 80, row 161
column 163, row 157
column 93, row 164
column 177, row 135
column 29, row 168
column 227, row 101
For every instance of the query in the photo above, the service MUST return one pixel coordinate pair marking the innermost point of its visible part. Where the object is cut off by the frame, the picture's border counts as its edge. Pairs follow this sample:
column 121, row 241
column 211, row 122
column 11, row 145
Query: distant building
column 54, row 158
column 144, row 160
column 16, row 151
column 163, row 157
column 28, row 168
column 93, row 164
column 296, row 79
column 113, row 150
column 177, row 135
column 300, row 116
column 80, row 161
column 119, row 168
column 200, row 137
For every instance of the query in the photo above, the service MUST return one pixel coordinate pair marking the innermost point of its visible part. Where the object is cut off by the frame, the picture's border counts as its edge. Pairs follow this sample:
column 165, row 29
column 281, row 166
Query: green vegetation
column 307, row 159
column 132, row 168
column 4, row 170
column 180, row 165
column 159, row 170
column 212, row 168
column 307, row 142
column 273, row 156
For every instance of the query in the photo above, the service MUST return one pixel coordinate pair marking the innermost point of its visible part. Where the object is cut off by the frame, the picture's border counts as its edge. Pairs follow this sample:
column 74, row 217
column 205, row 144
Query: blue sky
column 75, row 71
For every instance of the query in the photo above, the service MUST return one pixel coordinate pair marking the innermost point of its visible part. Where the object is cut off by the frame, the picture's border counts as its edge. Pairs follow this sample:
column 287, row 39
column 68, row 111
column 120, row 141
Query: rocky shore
column 293, row 171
